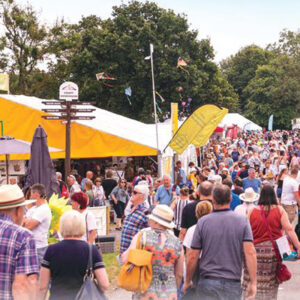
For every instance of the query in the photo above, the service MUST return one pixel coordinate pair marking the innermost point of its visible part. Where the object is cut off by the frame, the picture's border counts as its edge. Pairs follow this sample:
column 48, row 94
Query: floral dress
column 163, row 284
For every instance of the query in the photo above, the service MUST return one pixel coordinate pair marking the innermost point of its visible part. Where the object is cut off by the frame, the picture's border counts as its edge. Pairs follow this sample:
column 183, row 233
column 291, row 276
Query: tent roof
column 108, row 134
column 237, row 119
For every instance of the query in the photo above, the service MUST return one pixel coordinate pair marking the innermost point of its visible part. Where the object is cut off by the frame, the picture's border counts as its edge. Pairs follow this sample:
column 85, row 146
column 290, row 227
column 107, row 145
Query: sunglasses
column 135, row 193
column 123, row 181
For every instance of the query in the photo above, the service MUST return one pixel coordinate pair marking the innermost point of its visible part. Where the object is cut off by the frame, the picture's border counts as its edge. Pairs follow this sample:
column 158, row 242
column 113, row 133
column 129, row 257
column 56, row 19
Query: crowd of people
column 207, row 228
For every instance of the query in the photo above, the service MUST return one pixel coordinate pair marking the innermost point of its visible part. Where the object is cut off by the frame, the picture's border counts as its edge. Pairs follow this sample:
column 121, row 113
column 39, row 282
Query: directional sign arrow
column 54, row 117
column 83, row 118
column 86, row 110
column 53, row 102
column 54, row 110
column 82, row 103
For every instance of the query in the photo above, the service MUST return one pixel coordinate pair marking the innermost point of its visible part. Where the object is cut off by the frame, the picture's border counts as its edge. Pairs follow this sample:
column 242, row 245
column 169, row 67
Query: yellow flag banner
column 4, row 82
column 174, row 117
column 198, row 127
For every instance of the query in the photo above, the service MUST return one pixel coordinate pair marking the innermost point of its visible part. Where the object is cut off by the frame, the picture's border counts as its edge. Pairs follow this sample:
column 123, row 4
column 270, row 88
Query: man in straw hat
column 248, row 198
column 18, row 260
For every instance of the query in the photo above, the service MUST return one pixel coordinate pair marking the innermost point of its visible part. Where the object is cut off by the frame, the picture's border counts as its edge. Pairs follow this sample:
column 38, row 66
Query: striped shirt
column 18, row 254
column 181, row 203
column 133, row 223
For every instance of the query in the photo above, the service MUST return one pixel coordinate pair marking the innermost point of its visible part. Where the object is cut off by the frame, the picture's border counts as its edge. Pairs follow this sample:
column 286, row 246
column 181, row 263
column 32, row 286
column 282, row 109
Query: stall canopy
column 108, row 134
column 236, row 119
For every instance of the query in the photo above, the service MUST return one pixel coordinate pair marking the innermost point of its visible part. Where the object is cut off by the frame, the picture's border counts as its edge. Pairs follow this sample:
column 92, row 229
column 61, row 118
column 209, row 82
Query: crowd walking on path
column 211, row 231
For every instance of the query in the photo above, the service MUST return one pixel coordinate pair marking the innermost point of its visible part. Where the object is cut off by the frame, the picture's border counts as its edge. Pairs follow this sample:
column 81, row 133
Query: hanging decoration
column 181, row 64
column 128, row 93
column 105, row 79
column 160, row 96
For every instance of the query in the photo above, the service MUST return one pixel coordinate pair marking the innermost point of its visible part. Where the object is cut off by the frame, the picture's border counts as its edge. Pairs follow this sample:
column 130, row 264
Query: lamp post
column 155, row 110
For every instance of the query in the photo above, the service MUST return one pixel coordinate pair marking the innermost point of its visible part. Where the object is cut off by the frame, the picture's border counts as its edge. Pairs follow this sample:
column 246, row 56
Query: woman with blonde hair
column 65, row 263
column 203, row 208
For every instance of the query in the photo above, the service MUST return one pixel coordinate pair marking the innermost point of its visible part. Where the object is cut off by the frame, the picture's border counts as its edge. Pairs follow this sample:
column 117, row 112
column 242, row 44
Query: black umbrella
column 40, row 168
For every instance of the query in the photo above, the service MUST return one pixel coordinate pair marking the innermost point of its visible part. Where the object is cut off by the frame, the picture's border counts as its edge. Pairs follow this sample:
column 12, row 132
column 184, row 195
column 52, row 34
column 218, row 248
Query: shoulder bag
column 282, row 272
column 89, row 289
column 136, row 274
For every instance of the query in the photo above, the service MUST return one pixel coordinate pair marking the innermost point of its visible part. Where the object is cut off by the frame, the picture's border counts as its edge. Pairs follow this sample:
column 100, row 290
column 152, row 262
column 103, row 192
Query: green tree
column 23, row 45
column 289, row 44
column 275, row 90
column 118, row 47
column 240, row 68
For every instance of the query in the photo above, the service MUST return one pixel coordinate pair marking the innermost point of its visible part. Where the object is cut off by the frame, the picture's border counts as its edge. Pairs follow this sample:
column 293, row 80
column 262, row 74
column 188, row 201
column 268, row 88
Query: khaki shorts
column 291, row 211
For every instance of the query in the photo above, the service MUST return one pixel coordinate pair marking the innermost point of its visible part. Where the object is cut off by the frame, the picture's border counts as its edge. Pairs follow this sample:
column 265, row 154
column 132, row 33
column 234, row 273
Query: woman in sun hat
column 249, row 197
column 167, row 259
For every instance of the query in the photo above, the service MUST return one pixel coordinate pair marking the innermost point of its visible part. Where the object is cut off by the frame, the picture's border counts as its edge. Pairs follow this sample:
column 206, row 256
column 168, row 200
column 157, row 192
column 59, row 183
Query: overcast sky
column 230, row 24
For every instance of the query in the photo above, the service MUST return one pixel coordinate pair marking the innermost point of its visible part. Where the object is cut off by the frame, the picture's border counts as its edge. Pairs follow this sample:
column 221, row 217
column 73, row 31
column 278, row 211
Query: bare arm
column 92, row 236
column 20, row 287
column 102, row 279
column 250, row 257
column 287, row 227
column 44, row 283
column 191, row 262
column 173, row 204
column 297, row 197
column 178, row 269
column 182, row 233
column 31, row 224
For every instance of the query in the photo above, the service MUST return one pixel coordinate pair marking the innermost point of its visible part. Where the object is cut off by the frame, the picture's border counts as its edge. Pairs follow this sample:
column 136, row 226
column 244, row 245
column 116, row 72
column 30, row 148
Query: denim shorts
column 219, row 289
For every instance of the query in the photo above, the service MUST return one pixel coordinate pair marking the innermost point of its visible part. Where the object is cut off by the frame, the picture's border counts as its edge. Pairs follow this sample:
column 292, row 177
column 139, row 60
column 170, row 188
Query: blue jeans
column 219, row 289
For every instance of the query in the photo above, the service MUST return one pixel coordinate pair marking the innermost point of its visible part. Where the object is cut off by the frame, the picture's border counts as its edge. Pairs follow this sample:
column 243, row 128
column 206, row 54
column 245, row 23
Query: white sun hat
column 12, row 196
column 249, row 195
column 163, row 215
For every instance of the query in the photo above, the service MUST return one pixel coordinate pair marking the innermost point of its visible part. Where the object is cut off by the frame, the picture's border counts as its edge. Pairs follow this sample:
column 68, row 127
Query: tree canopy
column 256, row 82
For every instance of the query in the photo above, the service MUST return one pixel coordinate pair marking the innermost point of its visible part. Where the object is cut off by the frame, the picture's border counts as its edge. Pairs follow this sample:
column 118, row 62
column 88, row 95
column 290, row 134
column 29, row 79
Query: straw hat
column 12, row 196
column 163, row 215
column 249, row 195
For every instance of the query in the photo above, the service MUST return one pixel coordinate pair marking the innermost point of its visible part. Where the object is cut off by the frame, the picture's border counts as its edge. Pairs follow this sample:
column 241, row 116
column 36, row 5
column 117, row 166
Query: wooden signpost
column 68, row 92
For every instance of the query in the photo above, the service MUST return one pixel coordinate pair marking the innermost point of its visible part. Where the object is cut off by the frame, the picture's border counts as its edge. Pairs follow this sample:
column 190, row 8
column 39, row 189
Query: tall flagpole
column 155, row 111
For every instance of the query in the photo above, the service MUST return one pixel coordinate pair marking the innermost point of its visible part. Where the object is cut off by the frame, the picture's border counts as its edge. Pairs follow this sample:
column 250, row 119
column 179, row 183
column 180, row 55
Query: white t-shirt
column 90, row 222
column 187, row 242
column 243, row 209
column 289, row 187
column 298, row 177
column 43, row 215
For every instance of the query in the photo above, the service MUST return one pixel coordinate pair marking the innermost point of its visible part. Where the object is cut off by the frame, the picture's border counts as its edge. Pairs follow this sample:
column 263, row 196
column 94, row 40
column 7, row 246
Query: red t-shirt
column 259, row 229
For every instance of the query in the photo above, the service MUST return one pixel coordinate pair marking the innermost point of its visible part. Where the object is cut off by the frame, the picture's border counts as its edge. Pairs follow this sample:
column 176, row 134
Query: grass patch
column 112, row 267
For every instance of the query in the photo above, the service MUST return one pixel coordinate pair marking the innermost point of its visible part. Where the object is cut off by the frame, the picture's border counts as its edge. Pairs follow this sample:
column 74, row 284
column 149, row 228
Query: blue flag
column 270, row 126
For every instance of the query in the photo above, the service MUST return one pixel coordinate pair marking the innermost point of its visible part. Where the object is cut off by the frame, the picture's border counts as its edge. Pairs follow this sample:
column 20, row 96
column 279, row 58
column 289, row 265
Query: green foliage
column 240, row 68
column 23, row 45
column 118, row 47
column 275, row 90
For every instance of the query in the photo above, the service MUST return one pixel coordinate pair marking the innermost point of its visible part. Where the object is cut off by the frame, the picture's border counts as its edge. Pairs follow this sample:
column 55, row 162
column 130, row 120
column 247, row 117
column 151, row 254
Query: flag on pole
column 270, row 125
column 174, row 117
column 4, row 82
column 198, row 127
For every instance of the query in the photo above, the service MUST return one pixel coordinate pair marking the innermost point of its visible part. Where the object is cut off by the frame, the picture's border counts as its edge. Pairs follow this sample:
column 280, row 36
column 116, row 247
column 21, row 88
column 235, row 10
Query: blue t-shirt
column 182, row 175
column 235, row 156
column 164, row 196
column 235, row 201
column 255, row 184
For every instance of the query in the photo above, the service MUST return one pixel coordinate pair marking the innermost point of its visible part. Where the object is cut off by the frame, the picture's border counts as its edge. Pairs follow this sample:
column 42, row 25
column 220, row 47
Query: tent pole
column 7, row 165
